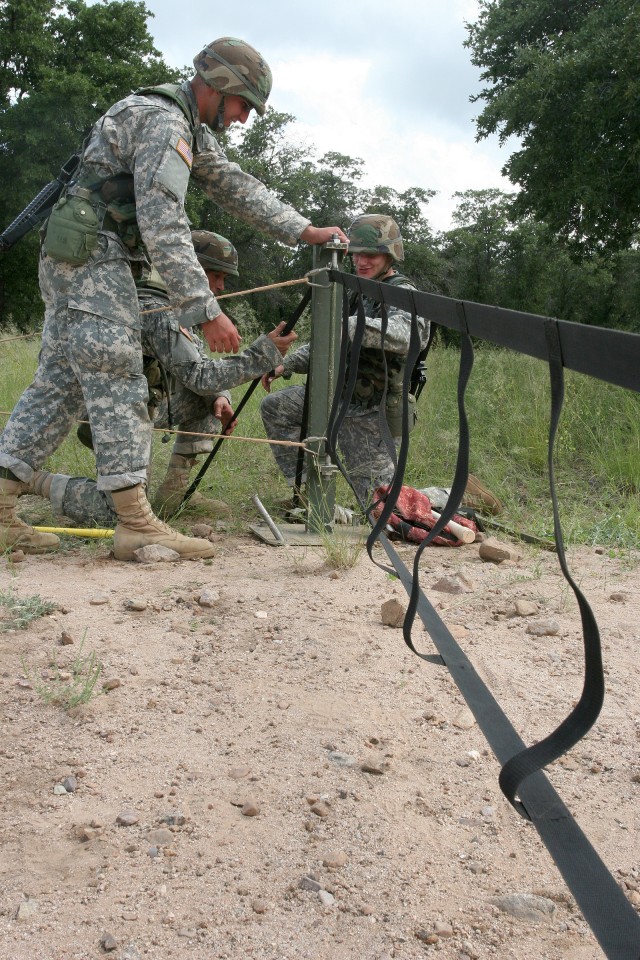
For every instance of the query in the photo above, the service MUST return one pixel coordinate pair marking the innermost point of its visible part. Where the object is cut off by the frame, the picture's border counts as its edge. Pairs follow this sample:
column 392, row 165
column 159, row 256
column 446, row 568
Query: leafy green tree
column 523, row 265
column 625, row 312
column 326, row 191
column 477, row 247
column 562, row 75
column 61, row 67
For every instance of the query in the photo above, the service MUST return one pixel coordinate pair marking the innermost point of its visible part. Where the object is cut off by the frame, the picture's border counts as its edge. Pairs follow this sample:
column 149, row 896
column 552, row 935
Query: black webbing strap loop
column 400, row 460
column 460, row 477
column 586, row 711
column 383, row 426
column 290, row 324
column 300, row 458
column 604, row 906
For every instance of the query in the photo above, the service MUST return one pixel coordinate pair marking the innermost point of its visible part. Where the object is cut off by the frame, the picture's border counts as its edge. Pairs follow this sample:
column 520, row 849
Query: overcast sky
column 385, row 82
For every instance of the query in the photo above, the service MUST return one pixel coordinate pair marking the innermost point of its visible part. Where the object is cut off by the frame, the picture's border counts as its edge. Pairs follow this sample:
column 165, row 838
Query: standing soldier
column 375, row 244
column 126, row 207
column 185, row 387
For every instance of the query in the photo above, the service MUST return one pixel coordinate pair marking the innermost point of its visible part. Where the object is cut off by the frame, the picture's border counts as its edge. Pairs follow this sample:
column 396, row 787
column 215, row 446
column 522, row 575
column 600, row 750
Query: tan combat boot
column 14, row 532
column 168, row 496
column 479, row 498
column 39, row 485
column 138, row 527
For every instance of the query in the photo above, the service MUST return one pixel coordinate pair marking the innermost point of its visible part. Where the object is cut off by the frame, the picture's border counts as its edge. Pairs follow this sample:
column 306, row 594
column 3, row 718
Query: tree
column 562, row 75
column 61, row 67
column 477, row 247
column 523, row 265
column 63, row 64
column 325, row 191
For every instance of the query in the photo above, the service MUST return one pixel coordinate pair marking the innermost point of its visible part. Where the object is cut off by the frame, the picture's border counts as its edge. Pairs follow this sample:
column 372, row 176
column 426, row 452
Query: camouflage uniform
column 362, row 447
column 149, row 145
column 198, row 381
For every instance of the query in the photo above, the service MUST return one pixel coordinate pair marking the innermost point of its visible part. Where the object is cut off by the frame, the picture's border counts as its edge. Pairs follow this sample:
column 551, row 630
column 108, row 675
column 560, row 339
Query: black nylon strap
column 586, row 711
column 415, row 346
column 344, row 390
column 609, row 355
column 604, row 906
column 459, row 481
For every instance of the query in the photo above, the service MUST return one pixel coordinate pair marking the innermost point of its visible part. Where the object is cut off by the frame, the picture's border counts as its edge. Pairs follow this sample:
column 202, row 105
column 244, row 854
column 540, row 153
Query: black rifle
column 290, row 324
column 40, row 207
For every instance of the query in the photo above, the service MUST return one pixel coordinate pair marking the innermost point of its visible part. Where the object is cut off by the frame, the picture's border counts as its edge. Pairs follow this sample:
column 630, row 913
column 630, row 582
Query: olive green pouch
column 394, row 414
column 72, row 230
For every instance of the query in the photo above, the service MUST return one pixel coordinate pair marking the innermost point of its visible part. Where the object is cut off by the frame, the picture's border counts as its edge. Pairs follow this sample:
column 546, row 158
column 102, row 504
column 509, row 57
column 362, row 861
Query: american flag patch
column 184, row 150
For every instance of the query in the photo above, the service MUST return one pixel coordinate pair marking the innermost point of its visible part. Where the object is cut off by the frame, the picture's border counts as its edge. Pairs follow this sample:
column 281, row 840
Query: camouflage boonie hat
column 376, row 233
column 215, row 252
column 231, row 66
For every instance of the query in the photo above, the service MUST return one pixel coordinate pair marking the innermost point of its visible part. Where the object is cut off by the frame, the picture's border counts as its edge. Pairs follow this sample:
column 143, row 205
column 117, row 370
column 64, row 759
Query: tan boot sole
column 45, row 542
column 126, row 542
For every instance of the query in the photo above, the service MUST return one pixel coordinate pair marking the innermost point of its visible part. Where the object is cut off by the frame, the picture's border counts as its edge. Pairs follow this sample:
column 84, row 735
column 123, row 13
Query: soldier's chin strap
column 218, row 123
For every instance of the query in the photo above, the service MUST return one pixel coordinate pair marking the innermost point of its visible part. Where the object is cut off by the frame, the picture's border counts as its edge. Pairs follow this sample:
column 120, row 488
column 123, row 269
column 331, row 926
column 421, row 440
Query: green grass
column 19, row 612
column 597, row 457
column 70, row 686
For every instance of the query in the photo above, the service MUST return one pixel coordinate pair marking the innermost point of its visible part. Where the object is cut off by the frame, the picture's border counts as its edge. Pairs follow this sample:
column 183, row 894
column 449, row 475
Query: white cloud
column 343, row 114
column 389, row 84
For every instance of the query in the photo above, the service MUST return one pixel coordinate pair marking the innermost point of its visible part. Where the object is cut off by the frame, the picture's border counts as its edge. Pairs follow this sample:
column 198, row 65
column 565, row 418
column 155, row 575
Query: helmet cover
column 233, row 67
column 376, row 233
column 215, row 252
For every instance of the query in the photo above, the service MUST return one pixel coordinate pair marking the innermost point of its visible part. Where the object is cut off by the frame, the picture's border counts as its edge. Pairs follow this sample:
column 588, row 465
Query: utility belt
column 71, row 232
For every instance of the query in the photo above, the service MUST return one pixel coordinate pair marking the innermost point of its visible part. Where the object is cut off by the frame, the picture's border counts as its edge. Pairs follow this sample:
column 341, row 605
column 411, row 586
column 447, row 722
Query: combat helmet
column 215, row 252
column 376, row 233
column 233, row 67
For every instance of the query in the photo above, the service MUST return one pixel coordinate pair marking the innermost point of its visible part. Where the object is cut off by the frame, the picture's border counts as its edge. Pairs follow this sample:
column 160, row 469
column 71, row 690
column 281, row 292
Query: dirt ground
column 271, row 773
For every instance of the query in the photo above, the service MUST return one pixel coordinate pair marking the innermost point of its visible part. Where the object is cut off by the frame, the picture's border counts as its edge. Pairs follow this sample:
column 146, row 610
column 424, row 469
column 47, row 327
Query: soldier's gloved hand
column 221, row 335
column 282, row 343
column 268, row 378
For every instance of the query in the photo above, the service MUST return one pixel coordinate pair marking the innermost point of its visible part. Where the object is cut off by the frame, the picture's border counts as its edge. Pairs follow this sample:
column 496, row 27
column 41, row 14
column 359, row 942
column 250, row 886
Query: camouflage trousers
column 79, row 498
column 195, row 380
column 364, row 453
column 91, row 357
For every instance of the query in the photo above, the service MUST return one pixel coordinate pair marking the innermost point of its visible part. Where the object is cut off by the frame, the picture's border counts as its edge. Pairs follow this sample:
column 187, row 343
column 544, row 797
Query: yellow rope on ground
column 77, row 531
